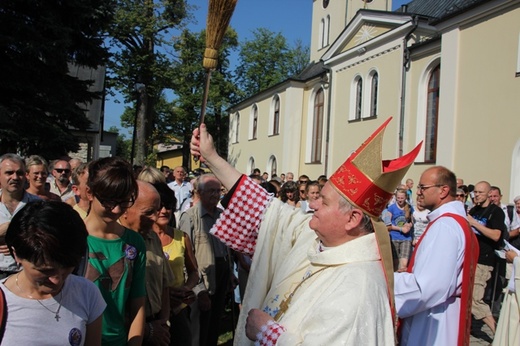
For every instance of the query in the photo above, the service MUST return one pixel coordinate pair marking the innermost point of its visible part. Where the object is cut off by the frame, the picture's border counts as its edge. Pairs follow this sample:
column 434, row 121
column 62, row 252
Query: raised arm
column 202, row 146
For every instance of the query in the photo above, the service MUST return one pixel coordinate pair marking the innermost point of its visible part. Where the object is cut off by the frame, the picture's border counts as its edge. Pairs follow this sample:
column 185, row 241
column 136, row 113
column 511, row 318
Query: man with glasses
column 61, row 184
column 487, row 221
column 433, row 297
column 211, row 255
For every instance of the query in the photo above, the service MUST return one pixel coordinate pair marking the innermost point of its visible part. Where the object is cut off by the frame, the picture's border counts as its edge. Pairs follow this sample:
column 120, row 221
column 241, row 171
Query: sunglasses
column 461, row 195
column 111, row 204
column 61, row 170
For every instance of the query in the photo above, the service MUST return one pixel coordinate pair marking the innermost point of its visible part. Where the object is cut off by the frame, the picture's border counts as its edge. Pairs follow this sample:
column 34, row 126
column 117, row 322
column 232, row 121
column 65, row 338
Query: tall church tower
column 330, row 17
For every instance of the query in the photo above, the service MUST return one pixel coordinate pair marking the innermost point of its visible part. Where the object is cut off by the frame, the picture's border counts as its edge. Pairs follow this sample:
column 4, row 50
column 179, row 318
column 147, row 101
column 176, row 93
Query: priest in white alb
column 320, row 279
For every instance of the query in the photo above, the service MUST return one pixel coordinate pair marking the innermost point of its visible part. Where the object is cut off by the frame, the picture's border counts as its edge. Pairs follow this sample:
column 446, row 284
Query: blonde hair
column 151, row 175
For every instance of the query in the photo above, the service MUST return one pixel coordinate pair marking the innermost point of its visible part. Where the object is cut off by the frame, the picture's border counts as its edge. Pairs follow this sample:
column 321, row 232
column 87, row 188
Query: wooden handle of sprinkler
column 204, row 103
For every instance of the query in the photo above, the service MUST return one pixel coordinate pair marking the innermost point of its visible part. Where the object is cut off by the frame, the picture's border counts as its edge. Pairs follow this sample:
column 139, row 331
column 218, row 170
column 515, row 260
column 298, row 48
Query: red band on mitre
column 368, row 182
column 359, row 190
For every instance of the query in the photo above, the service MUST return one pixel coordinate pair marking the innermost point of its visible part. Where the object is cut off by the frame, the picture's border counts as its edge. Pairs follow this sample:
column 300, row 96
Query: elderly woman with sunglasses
column 178, row 249
column 46, row 305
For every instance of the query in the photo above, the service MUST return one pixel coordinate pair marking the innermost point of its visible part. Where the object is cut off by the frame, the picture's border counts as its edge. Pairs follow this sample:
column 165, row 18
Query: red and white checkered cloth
column 238, row 225
column 269, row 334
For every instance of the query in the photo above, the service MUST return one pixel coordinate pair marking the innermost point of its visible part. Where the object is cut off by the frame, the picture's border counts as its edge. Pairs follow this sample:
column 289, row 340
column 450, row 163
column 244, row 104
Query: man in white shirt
column 183, row 191
column 61, row 184
column 433, row 297
column 13, row 197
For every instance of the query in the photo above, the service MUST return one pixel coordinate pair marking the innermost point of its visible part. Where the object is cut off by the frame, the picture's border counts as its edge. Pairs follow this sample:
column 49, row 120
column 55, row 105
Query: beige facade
column 451, row 80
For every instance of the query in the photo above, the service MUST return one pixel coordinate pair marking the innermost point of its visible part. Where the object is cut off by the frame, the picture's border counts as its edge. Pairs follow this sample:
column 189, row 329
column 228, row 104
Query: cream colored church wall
column 348, row 135
column 258, row 148
column 488, row 123
column 479, row 103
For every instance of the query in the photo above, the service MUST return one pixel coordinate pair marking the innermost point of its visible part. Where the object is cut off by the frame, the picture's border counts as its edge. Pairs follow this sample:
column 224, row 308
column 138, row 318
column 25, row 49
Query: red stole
column 469, row 266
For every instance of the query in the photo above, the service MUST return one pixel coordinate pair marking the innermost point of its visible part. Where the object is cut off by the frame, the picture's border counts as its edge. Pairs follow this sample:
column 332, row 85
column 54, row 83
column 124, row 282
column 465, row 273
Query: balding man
column 75, row 162
column 316, row 279
column 140, row 217
column 434, row 296
column 13, row 197
column 79, row 186
column 211, row 256
column 487, row 221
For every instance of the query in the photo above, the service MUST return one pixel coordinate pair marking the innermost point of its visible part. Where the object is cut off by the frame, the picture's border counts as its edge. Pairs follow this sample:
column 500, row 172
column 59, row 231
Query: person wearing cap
column 315, row 279
column 433, row 298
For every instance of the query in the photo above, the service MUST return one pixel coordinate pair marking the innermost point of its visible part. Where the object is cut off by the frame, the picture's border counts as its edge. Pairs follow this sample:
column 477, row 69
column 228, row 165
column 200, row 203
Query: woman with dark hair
column 312, row 193
column 178, row 249
column 289, row 193
column 117, row 255
column 46, row 305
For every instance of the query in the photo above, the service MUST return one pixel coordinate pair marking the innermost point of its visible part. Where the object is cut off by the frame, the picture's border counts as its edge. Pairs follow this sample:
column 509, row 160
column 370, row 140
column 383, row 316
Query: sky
column 292, row 18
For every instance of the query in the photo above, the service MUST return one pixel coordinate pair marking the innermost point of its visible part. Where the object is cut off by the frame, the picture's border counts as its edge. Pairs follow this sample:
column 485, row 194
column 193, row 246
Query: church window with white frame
column 276, row 116
column 432, row 115
column 324, row 32
column 236, row 127
column 356, row 99
column 317, row 126
column 374, row 93
column 253, row 122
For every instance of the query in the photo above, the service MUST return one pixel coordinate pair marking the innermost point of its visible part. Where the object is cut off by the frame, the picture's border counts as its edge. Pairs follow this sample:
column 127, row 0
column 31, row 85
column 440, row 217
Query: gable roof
column 439, row 10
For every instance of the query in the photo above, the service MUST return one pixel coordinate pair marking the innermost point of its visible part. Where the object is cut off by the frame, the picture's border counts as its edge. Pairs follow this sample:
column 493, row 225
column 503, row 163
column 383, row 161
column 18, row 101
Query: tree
column 140, row 64
column 266, row 60
column 188, row 85
column 40, row 103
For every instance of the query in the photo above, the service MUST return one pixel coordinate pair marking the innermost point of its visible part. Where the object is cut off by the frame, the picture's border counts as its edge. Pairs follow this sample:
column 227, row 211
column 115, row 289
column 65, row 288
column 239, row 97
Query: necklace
column 284, row 305
column 56, row 313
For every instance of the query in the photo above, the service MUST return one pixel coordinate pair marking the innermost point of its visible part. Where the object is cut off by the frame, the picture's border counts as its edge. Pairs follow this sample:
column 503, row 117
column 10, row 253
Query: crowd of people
column 104, row 253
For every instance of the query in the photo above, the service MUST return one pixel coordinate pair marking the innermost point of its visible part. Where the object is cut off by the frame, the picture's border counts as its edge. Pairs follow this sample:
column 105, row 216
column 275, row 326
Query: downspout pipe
column 405, row 69
column 329, row 107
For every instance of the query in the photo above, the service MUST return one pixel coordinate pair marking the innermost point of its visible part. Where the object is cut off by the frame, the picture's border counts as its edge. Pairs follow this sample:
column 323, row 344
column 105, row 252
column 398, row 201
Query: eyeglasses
column 111, row 204
column 302, row 191
column 303, row 181
column 461, row 195
column 61, row 170
column 422, row 187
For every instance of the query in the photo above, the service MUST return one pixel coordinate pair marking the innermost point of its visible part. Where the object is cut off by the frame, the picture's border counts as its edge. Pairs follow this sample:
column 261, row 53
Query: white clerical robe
column 508, row 328
column 344, row 304
column 428, row 298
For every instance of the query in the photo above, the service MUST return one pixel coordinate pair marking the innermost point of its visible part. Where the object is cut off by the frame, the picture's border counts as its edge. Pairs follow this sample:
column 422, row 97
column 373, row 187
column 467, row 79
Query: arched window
column 236, row 127
column 276, row 116
column 327, row 31
column 272, row 166
column 432, row 113
column 251, row 165
column 253, row 122
column 317, row 127
column 359, row 99
column 374, row 93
